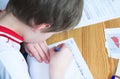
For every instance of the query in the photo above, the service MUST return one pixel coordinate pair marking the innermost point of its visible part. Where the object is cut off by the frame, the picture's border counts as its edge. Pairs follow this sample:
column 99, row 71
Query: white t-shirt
column 11, row 60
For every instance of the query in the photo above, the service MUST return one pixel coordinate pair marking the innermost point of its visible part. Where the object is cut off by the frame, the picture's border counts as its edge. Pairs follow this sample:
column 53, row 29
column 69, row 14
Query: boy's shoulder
column 6, row 48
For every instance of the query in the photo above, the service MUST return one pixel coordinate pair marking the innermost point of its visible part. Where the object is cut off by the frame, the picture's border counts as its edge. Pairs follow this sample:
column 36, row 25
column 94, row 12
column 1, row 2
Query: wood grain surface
column 91, row 42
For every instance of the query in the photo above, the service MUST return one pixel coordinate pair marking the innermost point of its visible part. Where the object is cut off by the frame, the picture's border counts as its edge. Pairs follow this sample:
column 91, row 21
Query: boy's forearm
column 57, row 75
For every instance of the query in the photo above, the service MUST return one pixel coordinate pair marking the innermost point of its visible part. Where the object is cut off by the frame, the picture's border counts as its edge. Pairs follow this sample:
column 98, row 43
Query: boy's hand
column 59, row 61
column 38, row 50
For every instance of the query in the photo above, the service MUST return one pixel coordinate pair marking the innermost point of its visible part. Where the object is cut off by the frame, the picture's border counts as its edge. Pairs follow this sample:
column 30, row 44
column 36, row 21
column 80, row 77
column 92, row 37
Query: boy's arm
column 59, row 61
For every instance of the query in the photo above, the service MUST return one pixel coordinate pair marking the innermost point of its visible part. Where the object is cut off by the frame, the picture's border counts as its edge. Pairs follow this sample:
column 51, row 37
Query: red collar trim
column 10, row 34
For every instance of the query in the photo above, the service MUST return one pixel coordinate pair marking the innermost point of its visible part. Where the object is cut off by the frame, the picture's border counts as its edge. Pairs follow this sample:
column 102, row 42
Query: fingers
column 38, row 50
column 30, row 49
column 42, row 51
column 44, row 47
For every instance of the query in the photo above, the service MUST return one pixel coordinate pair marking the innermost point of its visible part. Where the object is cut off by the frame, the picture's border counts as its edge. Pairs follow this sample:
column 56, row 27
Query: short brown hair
column 60, row 14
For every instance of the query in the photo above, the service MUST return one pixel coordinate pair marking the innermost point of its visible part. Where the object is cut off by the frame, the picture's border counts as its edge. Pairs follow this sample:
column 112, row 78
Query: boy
column 25, row 21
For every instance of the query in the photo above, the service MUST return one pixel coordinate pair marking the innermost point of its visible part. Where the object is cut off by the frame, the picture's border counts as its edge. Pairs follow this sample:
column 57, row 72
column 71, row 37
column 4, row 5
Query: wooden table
column 91, row 42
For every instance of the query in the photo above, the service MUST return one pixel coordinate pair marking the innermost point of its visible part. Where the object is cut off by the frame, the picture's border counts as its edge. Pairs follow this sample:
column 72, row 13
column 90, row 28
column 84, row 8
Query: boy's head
column 59, row 14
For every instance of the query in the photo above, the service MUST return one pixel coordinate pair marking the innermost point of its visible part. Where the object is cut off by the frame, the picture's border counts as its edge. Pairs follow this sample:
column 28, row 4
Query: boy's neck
column 11, row 22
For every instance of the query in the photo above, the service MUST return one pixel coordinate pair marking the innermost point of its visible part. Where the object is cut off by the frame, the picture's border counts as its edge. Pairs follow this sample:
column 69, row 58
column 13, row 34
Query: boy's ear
column 42, row 26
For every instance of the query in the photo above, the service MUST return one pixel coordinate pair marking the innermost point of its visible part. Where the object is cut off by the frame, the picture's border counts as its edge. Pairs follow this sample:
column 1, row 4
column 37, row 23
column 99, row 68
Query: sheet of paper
column 78, row 68
column 112, row 43
column 96, row 11
column 3, row 4
column 118, row 70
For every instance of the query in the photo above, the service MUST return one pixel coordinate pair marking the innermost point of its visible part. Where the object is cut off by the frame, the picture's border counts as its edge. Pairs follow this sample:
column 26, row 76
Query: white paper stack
column 112, row 43
column 97, row 11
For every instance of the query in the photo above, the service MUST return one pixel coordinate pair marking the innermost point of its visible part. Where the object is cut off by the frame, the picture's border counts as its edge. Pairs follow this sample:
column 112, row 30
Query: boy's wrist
column 57, row 75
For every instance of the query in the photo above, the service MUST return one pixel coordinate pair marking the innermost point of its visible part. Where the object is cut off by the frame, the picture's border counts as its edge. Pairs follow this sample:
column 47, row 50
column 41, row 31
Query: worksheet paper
column 78, row 68
column 112, row 36
column 3, row 4
column 96, row 11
